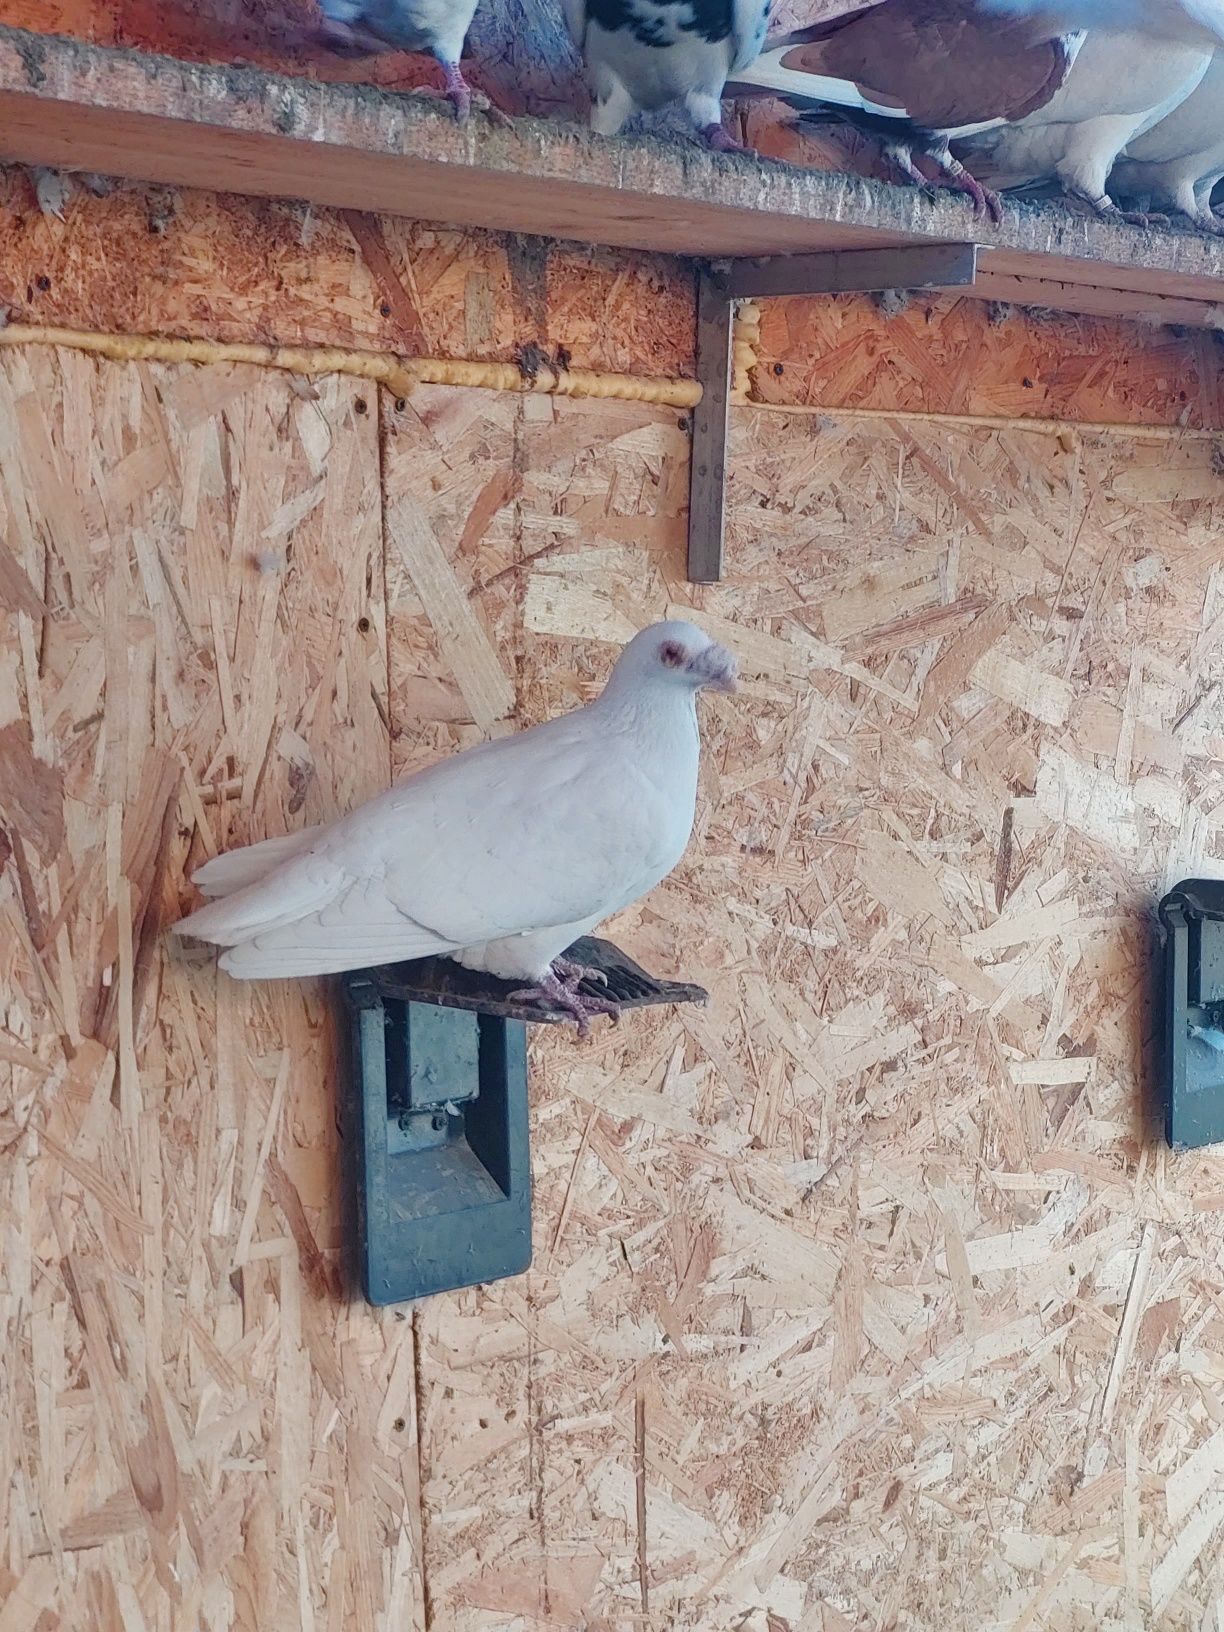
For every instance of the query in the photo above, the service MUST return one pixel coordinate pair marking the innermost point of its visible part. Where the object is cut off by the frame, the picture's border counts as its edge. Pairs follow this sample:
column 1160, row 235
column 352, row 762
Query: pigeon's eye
column 671, row 654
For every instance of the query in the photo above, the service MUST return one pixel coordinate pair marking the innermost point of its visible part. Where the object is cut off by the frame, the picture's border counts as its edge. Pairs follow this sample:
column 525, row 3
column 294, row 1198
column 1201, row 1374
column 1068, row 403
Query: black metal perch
column 437, row 1114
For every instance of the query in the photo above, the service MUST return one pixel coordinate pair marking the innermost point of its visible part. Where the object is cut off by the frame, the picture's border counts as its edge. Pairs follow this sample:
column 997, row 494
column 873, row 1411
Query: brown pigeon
column 916, row 74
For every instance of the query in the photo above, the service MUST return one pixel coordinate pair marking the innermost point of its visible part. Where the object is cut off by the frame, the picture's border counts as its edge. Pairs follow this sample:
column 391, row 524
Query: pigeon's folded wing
column 1186, row 20
column 938, row 64
column 575, row 14
column 545, row 828
column 749, row 20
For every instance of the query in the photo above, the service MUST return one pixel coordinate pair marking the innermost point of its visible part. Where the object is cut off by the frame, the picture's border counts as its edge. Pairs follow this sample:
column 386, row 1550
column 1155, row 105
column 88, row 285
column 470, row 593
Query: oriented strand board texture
column 868, row 1297
column 865, row 1297
column 949, row 355
column 149, row 260
column 196, row 1430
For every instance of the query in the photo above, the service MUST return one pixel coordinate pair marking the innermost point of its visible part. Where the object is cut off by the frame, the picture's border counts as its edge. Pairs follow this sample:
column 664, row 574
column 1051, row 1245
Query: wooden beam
column 64, row 103
column 939, row 266
column 708, row 470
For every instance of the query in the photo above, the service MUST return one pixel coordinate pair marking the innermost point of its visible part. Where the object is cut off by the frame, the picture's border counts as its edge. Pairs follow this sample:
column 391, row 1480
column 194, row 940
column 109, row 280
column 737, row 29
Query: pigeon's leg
column 1196, row 203
column 612, row 105
column 1101, row 204
column 705, row 110
column 1083, row 171
column 952, row 173
column 462, row 96
column 901, row 154
column 573, row 974
column 562, row 996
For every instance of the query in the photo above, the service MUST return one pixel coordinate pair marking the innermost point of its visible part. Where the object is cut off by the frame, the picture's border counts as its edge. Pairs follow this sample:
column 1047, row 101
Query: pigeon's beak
column 715, row 668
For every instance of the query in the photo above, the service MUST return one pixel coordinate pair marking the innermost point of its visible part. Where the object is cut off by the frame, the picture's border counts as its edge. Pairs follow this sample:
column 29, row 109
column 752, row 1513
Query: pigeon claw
column 573, row 974
column 552, row 992
column 720, row 140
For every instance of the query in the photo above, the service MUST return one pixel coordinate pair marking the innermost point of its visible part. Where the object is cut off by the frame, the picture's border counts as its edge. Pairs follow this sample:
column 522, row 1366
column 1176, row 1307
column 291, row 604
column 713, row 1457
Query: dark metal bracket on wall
column 719, row 286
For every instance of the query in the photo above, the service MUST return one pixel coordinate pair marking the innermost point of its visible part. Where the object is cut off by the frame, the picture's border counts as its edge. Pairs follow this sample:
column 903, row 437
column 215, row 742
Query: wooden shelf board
column 72, row 105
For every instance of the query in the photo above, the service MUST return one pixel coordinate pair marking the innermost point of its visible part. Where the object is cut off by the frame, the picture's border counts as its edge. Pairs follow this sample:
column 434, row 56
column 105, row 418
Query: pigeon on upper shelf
column 915, row 74
column 1120, row 86
column 1177, row 163
column 439, row 27
column 640, row 55
column 500, row 857
column 1194, row 22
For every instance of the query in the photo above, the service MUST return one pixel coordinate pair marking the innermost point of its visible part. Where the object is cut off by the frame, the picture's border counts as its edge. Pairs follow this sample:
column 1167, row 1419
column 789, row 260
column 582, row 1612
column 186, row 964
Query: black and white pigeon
column 438, row 27
column 641, row 55
column 499, row 857
column 916, row 74
column 1194, row 22
column 1176, row 165
column 1121, row 85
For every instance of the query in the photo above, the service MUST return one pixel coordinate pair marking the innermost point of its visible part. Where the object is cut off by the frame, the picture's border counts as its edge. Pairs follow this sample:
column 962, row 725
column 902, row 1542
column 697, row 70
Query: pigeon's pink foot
column 718, row 138
column 952, row 173
column 462, row 97
column 1105, row 207
column 986, row 202
column 573, row 974
column 560, row 994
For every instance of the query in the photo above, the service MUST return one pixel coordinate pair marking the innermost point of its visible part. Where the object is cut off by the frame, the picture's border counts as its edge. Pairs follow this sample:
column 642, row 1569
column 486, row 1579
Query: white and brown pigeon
column 499, row 857
column 1120, row 86
column 916, row 74
column 1176, row 165
column 640, row 55
column 438, row 27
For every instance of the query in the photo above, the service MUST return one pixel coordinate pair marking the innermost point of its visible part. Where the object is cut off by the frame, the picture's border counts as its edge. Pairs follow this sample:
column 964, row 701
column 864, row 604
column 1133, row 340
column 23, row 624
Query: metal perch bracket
column 436, row 1117
column 719, row 285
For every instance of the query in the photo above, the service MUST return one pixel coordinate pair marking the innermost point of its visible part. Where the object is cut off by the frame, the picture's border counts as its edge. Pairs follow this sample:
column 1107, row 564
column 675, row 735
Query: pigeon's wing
column 749, row 21
column 1187, row 20
column 575, row 14
column 939, row 64
column 946, row 64
column 545, row 828
column 1196, row 127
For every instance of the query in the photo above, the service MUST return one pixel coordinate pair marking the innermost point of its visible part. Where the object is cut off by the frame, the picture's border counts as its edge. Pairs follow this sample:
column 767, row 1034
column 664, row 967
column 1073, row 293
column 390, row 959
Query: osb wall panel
column 868, row 1295
column 196, row 1429
column 173, row 261
column 956, row 356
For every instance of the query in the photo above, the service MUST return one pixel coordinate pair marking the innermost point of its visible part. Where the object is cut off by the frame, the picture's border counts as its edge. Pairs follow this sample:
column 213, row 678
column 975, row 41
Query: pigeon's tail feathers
column 237, row 869
column 281, row 897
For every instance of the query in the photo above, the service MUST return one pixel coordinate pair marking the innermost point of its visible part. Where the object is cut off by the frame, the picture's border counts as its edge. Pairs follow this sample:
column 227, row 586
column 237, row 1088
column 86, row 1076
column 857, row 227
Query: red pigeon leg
column 720, row 139
column 952, row 173
column 1105, row 207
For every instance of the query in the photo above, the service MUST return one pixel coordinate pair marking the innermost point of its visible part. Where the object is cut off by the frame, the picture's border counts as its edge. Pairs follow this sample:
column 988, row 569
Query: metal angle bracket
column 719, row 286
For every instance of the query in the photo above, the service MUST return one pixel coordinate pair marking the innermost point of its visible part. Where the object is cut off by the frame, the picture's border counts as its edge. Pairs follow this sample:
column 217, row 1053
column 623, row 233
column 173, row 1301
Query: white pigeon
column 1119, row 86
column 1177, row 163
column 643, row 54
column 1195, row 22
column 499, row 857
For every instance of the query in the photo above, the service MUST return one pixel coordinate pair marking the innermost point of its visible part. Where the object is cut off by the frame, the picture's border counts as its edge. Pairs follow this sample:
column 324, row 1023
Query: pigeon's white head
column 675, row 654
